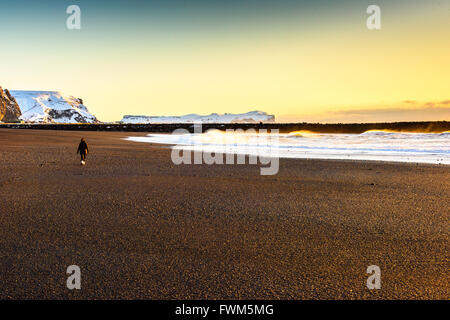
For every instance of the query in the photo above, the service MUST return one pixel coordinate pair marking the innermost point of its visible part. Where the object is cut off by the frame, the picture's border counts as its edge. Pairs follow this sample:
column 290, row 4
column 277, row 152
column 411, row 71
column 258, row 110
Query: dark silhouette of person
column 83, row 149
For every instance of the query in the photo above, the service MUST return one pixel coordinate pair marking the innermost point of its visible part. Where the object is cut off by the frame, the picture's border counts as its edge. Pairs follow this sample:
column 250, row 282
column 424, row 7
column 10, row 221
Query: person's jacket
column 83, row 147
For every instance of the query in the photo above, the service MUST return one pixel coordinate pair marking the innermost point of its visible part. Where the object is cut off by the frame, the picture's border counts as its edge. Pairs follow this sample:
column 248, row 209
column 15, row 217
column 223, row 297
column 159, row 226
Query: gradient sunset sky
column 300, row 60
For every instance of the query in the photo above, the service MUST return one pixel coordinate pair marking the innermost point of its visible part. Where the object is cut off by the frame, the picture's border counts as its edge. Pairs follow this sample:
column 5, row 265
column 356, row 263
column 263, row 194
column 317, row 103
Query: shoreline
column 170, row 146
column 311, row 155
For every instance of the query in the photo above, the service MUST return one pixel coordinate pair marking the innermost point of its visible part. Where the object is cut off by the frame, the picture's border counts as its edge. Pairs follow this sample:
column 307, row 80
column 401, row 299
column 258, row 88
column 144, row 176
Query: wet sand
column 141, row 227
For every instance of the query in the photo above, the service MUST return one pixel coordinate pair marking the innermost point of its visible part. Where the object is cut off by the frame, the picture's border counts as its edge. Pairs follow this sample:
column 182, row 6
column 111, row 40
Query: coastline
column 407, row 126
column 141, row 227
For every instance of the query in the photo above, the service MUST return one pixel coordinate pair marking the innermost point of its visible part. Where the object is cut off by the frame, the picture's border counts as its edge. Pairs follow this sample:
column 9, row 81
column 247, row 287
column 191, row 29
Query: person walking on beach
column 83, row 149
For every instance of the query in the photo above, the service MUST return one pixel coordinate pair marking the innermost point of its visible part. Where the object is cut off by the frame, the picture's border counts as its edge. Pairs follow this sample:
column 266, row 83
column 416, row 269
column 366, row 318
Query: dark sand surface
column 142, row 227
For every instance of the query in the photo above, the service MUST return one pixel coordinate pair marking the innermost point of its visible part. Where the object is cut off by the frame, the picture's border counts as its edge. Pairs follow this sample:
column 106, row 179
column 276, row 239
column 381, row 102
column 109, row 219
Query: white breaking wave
column 371, row 145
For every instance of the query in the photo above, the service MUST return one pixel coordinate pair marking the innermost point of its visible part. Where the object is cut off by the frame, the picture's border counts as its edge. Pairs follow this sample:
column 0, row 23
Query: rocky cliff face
column 9, row 109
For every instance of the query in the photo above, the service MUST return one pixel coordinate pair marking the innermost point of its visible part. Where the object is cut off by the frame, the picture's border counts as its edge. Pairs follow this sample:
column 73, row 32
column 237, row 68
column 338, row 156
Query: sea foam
column 370, row 145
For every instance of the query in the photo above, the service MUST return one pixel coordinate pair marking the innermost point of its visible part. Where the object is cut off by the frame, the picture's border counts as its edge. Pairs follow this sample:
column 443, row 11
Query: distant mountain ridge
column 249, row 117
column 56, row 107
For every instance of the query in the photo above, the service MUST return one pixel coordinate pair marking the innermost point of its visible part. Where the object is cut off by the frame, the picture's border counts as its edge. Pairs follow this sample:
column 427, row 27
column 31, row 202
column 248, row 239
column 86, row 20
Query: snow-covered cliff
column 51, row 106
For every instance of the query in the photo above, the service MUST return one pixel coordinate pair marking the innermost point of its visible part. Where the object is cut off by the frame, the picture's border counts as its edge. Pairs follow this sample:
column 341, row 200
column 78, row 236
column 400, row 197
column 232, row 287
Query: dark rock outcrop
column 9, row 109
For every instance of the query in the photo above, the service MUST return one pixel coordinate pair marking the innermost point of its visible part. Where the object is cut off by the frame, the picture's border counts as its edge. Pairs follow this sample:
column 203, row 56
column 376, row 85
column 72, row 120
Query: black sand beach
column 141, row 227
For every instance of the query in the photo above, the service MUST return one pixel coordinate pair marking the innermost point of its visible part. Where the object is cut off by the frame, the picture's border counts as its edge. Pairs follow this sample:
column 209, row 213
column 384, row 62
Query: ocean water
column 370, row 145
